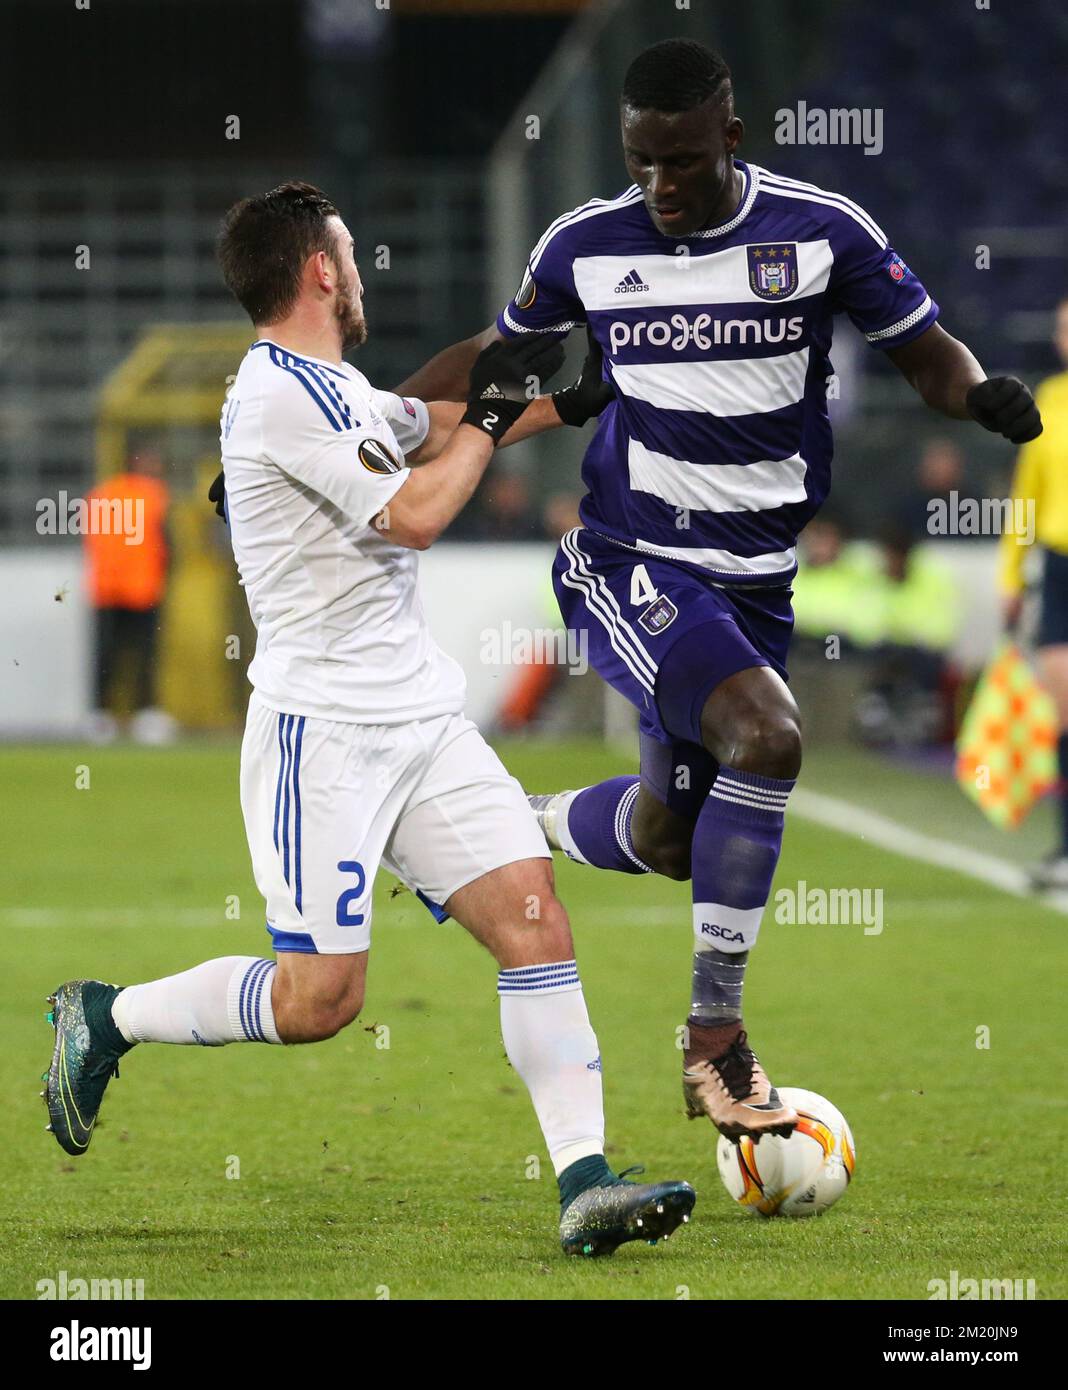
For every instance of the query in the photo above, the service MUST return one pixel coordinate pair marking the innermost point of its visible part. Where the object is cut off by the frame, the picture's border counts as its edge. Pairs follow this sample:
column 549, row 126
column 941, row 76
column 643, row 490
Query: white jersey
column 312, row 453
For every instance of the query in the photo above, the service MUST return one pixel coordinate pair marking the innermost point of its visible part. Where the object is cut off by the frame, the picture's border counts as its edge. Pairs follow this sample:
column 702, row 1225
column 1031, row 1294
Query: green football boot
column 85, row 1058
column 602, row 1218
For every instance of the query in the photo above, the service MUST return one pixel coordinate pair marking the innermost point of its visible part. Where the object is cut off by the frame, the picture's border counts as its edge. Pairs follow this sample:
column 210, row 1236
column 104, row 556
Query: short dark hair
column 675, row 75
column 265, row 241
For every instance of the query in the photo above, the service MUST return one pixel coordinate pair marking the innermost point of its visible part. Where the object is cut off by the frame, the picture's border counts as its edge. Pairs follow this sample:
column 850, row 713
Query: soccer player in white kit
column 356, row 750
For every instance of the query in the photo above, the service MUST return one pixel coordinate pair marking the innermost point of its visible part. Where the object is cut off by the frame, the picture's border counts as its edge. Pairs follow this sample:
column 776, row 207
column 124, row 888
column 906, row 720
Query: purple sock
column 736, row 847
column 596, row 828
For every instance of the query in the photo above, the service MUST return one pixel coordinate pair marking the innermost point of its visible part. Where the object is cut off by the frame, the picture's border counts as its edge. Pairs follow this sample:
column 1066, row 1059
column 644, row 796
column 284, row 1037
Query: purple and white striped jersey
column 718, row 448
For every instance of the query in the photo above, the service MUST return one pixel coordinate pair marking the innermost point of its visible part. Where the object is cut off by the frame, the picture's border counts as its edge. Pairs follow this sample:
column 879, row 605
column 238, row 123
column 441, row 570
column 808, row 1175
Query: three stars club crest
column 772, row 269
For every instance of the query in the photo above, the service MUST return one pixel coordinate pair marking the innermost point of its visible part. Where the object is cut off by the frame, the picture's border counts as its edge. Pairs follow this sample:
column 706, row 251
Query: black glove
column 499, row 393
column 587, row 397
column 1005, row 406
column 217, row 494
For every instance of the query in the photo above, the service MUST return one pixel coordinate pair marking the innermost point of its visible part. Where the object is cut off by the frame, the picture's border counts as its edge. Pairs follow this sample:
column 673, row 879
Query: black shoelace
column 736, row 1068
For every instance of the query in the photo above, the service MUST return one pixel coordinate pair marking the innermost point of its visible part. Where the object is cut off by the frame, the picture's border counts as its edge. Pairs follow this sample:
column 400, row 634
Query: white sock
column 549, row 1041
column 563, row 830
column 222, row 1001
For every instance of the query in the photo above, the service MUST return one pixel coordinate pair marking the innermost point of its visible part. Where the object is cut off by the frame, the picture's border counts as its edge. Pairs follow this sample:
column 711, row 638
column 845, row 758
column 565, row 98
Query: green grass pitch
column 368, row 1172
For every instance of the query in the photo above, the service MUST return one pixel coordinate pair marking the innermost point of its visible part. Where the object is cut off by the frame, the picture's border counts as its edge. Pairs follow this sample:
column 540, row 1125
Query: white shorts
column 325, row 803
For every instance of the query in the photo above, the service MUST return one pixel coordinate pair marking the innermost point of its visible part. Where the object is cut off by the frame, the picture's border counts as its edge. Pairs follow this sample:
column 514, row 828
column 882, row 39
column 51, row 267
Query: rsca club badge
column 659, row 615
column 772, row 269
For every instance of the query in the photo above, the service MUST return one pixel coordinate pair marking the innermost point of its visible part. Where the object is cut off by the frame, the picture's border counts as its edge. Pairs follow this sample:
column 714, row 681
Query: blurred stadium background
column 117, row 336
column 116, row 341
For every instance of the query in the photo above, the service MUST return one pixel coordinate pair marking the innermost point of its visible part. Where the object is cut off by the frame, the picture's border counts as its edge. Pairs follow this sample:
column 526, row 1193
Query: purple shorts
column 665, row 637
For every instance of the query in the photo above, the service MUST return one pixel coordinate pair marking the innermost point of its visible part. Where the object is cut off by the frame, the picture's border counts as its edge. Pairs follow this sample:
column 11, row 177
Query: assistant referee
column 1041, row 483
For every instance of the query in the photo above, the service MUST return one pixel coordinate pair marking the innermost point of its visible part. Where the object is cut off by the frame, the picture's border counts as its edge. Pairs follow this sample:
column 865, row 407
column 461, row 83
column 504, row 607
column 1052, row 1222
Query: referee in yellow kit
column 1041, row 485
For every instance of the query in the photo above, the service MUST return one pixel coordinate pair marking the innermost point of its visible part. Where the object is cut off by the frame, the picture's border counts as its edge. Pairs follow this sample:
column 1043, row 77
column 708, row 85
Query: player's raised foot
column 611, row 1211
column 733, row 1090
column 546, row 809
column 84, row 1059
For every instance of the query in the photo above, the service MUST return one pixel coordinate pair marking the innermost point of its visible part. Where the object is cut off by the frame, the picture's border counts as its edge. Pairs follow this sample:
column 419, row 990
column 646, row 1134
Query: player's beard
column 351, row 323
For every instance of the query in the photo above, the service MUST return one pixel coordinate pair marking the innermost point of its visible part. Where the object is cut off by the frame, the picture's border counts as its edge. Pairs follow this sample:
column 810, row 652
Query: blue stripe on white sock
column 252, row 1001
column 242, row 1016
column 261, row 979
column 248, row 1011
column 540, row 979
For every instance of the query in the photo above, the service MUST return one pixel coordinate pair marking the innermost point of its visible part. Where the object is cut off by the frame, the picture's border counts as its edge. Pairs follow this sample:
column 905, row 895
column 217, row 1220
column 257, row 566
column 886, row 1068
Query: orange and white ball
column 799, row 1176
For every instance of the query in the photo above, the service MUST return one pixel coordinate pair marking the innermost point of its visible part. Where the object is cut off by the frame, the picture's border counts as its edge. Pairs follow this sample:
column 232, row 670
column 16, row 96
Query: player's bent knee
column 551, row 931
column 315, row 998
column 765, row 742
column 773, row 747
column 315, row 1020
column 333, row 1014
column 751, row 723
column 541, row 938
column 515, row 913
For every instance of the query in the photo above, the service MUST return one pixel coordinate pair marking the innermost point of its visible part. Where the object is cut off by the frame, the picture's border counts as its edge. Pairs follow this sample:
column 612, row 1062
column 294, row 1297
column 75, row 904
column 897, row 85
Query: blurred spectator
column 835, row 592
column 916, row 616
column 507, row 511
column 560, row 515
column 1040, row 515
column 894, row 608
column 920, row 597
column 940, row 477
column 127, row 561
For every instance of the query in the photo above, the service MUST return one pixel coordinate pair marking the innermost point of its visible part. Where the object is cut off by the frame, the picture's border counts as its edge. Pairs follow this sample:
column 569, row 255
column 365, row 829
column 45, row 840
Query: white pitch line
column 145, row 918
column 862, row 824
column 830, row 811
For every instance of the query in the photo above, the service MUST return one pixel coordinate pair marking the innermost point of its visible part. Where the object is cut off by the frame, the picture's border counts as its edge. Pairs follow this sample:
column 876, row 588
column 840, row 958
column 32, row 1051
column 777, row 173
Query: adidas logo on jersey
column 632, row 283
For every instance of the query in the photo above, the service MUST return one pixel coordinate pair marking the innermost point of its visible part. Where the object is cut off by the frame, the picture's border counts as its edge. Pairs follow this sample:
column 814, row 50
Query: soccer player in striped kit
column 709, row 289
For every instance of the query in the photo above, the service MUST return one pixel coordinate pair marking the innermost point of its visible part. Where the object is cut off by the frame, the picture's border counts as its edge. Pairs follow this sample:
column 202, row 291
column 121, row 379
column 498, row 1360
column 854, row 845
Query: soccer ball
column 799, row 1176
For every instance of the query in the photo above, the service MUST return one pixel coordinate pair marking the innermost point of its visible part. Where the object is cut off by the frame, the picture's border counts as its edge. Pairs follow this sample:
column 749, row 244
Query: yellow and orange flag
column 1007, row 745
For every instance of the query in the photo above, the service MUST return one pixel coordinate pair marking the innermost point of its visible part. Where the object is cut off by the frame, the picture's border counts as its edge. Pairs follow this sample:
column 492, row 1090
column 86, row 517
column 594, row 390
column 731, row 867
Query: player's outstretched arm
column 539, row 416
column 505, row 378
column 583, row 400
column 945, row 373
column 443, row 381
column 445, row 377
column 539, row 357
